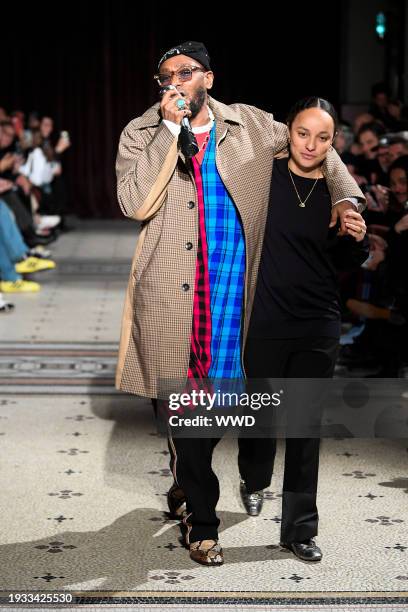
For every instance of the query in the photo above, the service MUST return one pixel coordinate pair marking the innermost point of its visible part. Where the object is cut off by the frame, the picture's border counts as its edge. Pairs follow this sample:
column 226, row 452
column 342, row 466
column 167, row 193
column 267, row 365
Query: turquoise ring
column 181, row 104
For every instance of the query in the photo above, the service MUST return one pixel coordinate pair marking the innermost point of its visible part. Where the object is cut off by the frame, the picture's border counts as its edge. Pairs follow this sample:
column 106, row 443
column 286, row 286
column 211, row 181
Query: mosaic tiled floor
column 83, row 475
column 83, row 483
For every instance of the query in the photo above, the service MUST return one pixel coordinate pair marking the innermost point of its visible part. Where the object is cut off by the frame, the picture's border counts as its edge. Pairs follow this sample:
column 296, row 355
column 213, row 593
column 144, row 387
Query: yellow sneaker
column 34, row 264
column 19, row 286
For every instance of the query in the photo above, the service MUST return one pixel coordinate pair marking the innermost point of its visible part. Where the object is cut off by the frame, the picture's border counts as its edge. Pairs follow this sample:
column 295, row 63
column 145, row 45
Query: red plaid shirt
column 200, row 353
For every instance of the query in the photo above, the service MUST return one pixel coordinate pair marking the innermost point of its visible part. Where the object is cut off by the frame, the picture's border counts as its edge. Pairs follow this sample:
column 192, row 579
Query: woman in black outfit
column 295, row 323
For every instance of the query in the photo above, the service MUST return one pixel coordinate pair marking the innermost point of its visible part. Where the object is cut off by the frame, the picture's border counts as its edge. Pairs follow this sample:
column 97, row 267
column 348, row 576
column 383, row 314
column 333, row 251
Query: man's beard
column 197, row 102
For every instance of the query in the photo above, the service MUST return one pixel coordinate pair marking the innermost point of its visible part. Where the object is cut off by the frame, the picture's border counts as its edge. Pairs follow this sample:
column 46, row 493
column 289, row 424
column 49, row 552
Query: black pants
column 190, row 462
column 191, row 465
column 22, row 215
column 191, row 458
column 312, row 357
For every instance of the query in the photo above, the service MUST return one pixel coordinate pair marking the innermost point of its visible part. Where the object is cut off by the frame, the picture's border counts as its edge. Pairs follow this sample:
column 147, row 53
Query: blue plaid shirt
column 226, row 265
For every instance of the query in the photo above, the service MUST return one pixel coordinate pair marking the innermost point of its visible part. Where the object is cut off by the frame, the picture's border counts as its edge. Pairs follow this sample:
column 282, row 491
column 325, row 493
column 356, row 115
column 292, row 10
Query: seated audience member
column 398, row 146
column 15, row 257
column 368, row 138
column 385, row 338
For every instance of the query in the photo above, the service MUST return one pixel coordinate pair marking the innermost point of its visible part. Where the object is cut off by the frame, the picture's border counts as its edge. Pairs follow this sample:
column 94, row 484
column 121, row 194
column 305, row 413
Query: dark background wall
column 90, row 66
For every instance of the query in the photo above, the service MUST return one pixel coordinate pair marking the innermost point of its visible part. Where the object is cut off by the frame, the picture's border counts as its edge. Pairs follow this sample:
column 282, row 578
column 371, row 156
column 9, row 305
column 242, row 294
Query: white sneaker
column 39, row 251
column 48, row 222
column 5, row 306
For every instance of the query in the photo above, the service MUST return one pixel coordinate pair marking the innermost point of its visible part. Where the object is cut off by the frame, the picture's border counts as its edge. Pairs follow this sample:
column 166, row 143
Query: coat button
column 185, row 287
column 189, row 246
column 191, row 204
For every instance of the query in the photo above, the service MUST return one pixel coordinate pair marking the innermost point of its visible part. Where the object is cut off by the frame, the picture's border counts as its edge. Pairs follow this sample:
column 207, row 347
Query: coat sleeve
column 340, row 183
column 144, row 169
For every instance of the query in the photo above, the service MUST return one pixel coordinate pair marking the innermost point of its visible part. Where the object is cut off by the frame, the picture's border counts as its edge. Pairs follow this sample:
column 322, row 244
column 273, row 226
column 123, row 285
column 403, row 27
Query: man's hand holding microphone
column 174, row 108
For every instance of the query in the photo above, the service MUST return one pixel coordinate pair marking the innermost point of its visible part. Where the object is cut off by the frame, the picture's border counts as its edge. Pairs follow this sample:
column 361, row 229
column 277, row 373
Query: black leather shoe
column 253, row 502
column 306, row 550
column 176, row 502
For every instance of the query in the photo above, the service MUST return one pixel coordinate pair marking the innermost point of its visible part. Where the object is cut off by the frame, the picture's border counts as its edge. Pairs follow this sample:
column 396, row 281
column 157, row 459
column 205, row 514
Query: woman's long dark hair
column 38, row 141
column 313, row 102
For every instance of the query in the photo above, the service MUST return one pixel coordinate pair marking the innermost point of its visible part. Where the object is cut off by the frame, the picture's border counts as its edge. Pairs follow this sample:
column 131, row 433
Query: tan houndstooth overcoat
column 155, row 186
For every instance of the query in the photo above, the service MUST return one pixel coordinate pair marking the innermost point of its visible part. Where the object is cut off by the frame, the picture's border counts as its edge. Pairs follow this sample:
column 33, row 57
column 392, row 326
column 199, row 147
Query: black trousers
column 191, row 465
column 191, row 458
column 313, row 357
column 21, row 212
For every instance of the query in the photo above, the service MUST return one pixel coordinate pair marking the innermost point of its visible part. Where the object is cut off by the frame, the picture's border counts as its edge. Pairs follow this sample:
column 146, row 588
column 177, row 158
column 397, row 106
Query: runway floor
column 84, row 474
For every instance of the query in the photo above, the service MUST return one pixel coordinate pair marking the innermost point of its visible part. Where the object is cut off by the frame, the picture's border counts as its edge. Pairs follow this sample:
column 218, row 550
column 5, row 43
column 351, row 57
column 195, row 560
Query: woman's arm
column 347, row 254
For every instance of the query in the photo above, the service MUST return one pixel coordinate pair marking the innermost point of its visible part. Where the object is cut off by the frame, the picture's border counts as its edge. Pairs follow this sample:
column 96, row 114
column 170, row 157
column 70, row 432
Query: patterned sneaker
column 207, row 552
column 19, row 286
column 34, row 264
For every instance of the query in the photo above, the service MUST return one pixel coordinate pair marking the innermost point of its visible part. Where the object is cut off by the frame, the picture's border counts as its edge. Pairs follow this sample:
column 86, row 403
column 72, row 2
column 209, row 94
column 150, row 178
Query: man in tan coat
column 159, row 187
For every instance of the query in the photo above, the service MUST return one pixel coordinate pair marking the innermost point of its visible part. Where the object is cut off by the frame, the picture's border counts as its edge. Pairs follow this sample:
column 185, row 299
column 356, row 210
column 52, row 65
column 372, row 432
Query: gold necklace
column 302, row 204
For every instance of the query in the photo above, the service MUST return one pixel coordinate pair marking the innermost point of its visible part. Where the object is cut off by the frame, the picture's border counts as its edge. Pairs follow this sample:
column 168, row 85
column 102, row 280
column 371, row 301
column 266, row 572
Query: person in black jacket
column 295, row 322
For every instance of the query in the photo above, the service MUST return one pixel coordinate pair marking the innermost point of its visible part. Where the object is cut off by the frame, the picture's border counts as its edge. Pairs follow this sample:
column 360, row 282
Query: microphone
column 187, row 140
